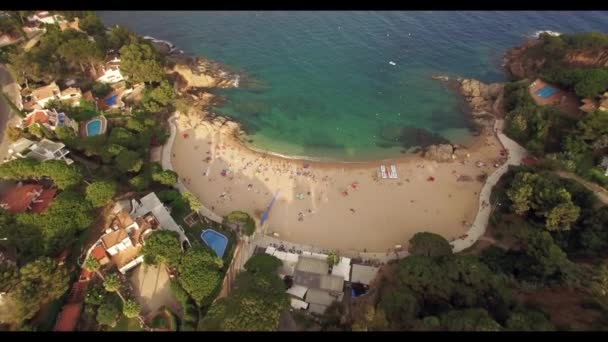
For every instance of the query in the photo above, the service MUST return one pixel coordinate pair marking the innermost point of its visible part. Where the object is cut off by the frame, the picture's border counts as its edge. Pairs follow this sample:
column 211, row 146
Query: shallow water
column 322, row 85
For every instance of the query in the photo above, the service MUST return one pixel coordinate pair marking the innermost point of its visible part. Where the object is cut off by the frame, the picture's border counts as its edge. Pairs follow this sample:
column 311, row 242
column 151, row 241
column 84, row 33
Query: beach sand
column 345, row 206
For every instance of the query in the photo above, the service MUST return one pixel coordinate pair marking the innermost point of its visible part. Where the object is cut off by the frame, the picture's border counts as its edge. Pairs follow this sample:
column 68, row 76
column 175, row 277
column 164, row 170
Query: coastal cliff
column 190, row 73
column 526, row 61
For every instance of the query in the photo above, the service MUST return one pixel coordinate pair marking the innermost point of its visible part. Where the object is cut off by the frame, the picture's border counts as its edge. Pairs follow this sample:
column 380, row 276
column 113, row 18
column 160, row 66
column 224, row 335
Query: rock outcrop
column 481, row 99
column 202, row 73
column 441, row 153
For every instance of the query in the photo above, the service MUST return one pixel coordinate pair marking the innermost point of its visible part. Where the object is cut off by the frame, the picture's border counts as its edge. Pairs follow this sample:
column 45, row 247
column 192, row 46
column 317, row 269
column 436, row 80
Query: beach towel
column 393, row 174
column 383, row 173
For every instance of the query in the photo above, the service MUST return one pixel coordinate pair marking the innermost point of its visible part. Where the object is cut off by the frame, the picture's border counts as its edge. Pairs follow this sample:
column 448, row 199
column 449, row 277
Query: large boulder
column 440, row 153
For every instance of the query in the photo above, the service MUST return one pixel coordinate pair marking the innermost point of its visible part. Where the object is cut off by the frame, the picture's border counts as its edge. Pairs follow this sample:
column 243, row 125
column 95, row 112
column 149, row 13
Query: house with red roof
column 29, row 197
column 49, row 118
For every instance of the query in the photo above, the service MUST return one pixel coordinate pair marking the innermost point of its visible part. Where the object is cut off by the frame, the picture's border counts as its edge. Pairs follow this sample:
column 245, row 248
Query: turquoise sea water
column 321, row 85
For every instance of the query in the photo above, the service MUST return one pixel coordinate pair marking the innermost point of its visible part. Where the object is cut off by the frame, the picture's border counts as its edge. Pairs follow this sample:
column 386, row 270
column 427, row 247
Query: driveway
column 151, row 285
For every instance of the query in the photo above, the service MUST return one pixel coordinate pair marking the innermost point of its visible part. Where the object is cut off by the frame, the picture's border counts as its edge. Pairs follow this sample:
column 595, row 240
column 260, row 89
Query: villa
column 74, row 24
column 39, row 97
column 41, row 151
column 45, row 17
column 589, row 106
column 49, row 119
column 131, row 224
column 110, row 71
column 30, row 197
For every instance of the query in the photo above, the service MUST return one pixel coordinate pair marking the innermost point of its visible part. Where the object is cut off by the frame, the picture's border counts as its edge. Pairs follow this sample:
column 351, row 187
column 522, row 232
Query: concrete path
column 478, row 229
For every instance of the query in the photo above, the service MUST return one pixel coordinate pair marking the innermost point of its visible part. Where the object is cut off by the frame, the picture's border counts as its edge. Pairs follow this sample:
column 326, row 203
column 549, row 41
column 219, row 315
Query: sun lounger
column 383, row 173
column 393, row 174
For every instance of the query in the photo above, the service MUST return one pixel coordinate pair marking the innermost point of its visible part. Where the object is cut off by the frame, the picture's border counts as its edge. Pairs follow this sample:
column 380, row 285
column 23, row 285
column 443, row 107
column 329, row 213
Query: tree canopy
column 140, row 63
column 263, row 263
column 64, row 176
column 429, row 244
column 100, row 192
column 199, row 273
column 162, row 246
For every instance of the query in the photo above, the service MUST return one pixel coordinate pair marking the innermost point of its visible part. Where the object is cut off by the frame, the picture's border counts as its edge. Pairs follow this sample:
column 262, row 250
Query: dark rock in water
column 250, row 141
column 391, row 132
column 251, row 107
column 415, row 136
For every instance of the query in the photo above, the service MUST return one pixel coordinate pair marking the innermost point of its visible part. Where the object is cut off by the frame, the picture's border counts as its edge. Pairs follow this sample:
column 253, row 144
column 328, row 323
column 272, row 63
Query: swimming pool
column 93, row 127
column 546, row 92
column 110, row 101
column 215, row 241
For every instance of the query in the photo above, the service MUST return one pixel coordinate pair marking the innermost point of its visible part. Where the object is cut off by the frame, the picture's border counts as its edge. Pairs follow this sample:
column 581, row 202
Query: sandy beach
column 332, row 204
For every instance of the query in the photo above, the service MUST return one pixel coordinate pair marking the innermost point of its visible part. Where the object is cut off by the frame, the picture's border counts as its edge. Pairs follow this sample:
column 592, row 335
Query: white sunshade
column 298, row 291
column 270, row 250
column 342, row 269
column 298, row 304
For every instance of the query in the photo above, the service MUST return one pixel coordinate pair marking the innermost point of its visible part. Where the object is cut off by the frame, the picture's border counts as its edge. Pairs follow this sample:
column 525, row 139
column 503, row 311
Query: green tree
column 333, row 258
column 162, row 246
column 9, row 276
column 92, row 264
column 100, row 90
column 101, row 192
column 123, row 137
column 165, row 177
column 529, row 321
column 109, row 312
column 140, row 182
column 92, row 25
column 120, row 36
column 263, row 263
column 242, row 219
column 40, row 282
column 131, row 308
column 140, row 63
column 469, row 320
column 96, row 295
column 400, row 305
column 111, row 283
column 192, row 201
column 521, row 190
column 429, row 244
column 129, row 161
column 65, row 134
column 255, row 305
column 548, row 258
column 199, row 273
column 81, row 51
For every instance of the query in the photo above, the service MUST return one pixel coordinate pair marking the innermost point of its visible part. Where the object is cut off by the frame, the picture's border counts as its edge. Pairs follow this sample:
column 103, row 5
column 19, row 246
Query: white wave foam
column 551, row 33
column 235, row 83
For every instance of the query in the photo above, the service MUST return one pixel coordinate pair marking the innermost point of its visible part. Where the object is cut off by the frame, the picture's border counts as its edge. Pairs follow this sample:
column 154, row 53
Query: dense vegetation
column 257, row 302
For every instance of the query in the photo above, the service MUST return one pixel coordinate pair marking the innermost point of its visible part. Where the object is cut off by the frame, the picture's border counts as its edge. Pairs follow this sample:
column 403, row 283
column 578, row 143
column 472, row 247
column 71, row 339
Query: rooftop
column 46, row 91
column 314, row 296
column 43, row 201
column 39, row 116
column 21, row 145
column 114, row 238
column 363, row 274
column 99, row 253
column 312, row 265
column 18, row 199
column 122, row 220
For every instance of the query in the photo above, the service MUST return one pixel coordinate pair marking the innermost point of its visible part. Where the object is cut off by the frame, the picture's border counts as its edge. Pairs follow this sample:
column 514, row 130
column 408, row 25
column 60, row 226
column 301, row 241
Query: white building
column 110, row 72
column 116, row 241
column 45, row 17
column 41, row 151
column 151, row 204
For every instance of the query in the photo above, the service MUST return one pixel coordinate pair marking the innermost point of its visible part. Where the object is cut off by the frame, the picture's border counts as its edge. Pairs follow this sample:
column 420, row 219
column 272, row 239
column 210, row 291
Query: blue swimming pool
column 110, row 101
column 93, row 127
column 546, row 92
column 215, row 240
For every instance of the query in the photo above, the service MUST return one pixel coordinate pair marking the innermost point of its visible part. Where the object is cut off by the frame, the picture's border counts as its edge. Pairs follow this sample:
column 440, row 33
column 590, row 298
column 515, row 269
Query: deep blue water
column 323, row 85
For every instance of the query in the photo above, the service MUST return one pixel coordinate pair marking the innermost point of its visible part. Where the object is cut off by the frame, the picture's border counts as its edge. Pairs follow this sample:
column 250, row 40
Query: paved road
column 10, row 88
column 600, row 193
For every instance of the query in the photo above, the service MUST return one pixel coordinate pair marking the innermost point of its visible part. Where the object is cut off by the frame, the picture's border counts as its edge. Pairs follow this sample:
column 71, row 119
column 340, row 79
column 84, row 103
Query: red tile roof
column 68, row 317
column 98, row 252
column 44, row 201
column 17, row 199
column 85, row 275
column 39, row 116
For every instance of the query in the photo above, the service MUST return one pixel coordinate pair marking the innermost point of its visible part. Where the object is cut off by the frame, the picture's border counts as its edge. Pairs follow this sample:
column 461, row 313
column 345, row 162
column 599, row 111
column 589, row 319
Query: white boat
column 393, row 173
column 383, row 173
column 392, row 63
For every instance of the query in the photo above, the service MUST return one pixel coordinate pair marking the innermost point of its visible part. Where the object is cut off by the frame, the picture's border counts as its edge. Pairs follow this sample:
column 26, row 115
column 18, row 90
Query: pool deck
column 565, row 101
column 104, row 126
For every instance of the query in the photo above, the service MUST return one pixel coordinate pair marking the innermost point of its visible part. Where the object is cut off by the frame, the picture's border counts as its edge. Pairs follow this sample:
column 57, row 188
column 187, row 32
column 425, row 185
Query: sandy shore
column 332, row 204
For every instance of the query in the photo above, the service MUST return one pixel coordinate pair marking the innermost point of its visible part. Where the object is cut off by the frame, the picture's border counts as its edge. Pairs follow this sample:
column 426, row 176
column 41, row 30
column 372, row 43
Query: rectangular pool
column 546, row 92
